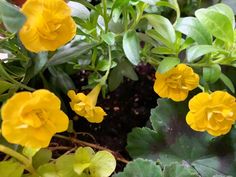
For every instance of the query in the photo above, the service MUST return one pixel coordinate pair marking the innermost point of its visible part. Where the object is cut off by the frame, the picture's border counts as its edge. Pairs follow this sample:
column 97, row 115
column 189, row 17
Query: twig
column 95, row 146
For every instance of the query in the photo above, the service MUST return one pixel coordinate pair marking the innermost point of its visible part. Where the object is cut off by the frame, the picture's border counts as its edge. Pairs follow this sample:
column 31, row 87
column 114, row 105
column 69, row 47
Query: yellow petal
column 59, row 120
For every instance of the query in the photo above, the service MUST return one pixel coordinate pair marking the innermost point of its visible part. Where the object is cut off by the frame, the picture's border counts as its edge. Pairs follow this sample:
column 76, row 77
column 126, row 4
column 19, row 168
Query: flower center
column 35, row 118
column 176, row 81
column 49, row 25
column 219, row 113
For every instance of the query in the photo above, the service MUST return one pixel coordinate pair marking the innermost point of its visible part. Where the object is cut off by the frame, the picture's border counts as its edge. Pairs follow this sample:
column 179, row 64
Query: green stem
column 19, row 157
column 104, row 78
column 104, row 4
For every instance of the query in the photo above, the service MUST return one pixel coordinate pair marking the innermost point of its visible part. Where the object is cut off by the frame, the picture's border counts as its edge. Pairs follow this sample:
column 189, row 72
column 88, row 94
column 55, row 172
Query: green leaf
column 11, row 169
column 162, row 50
column 227, row 82
column 62, row 79
column 103, row 164
column 167, row 63
column 173, row 4
column 36, row 66
column 160, row 39
column 109, row 38
column 115, row 79
column 103, row 65
column 179, row 170
column 224, row 10
column 162, row 114
column 64, row 166
column 66, row 55
column 4, row 86
column 141, row 168
column 212, row 73
column 48, row 170
column 191, row 27
column 163, row 27
column 217, row 24
column 30, row 152
column 41, row 157
column 127, row 70
column 11, row 17
column 131, row 47
column 194, row 52
column 144, row 143
column 208, row 167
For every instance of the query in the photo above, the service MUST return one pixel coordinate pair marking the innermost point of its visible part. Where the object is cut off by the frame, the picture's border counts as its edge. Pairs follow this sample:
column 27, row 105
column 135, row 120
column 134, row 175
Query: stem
column 104, row 78
column 104, row 4
column 95, row 146
column 19, row 157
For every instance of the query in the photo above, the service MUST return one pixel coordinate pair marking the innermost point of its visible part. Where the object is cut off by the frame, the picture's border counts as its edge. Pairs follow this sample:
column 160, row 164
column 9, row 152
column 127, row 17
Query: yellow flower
column 49, row 25
column 31, row 119
column 176, row 83
column 214, row 113
column 85, row 106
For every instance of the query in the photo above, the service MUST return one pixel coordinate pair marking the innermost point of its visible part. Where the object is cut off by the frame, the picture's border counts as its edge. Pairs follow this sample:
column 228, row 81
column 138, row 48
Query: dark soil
column 127, row 107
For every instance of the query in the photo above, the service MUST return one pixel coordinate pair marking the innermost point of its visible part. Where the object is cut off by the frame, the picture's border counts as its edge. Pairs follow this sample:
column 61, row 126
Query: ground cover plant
column 120, row 88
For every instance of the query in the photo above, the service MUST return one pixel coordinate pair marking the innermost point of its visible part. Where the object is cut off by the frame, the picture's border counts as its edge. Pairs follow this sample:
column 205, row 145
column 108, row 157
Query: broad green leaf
column 167, row 63
column 66, row 55
column 141, row 168
column 30, row 152
column 217, row 24
column 103, row 164
column 179, row 170
column 212, row 73
column 41, row 157
column 48, row 170
column 11, row 16
column 227, row 82
column 115, row 79
column 191, row 27
column 131, row 47
column 109, row 38
column 127, row 70
column 160, row 39
column 144, row 143
column 11, row 169
column 163, row 27
column 161, row 115
column 4, row 86
column 64, row 166
column 208, row 167
column 225, row 10
column 194, row 52
column 84, row 155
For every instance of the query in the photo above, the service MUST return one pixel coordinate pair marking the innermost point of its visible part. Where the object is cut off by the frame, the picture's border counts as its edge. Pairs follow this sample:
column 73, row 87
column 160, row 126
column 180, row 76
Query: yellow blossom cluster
column 31, row 119
column 176, row 83
column 214, row 113
column 85, row 105
column 49, row 25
